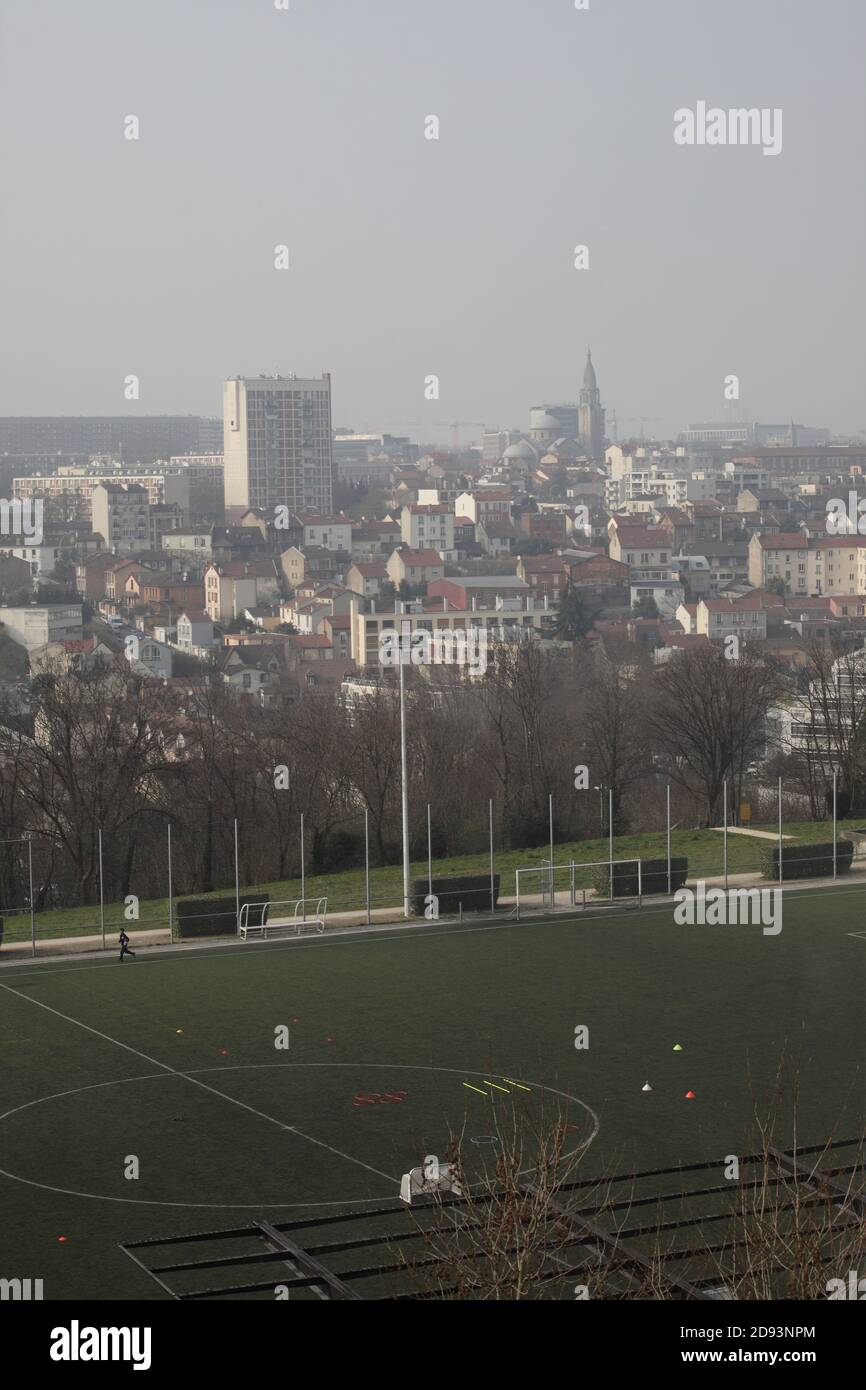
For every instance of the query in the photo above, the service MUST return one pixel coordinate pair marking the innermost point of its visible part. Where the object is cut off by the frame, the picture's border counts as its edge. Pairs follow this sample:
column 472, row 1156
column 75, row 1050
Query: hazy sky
column 409, row 256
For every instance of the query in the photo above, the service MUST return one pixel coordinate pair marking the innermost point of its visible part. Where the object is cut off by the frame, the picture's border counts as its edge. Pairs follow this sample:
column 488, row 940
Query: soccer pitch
column 168, row 1066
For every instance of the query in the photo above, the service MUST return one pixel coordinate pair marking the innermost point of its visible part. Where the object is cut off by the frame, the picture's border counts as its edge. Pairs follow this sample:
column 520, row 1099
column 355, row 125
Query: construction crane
column 644, row 420
column 457, row 425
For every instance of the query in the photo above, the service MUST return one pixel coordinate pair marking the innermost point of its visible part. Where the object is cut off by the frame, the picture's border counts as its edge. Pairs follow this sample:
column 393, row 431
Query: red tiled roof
column 784, row 540
column 373, row 569
column 643, row 535
column 420, row 557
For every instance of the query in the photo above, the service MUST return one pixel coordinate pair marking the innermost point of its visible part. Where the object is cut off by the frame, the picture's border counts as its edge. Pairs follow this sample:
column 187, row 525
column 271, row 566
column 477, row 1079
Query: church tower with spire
column 591, row 413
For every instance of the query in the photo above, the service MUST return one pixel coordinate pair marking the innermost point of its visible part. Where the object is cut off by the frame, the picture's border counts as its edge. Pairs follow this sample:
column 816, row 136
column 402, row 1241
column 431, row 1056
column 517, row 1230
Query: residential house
column 415, row 567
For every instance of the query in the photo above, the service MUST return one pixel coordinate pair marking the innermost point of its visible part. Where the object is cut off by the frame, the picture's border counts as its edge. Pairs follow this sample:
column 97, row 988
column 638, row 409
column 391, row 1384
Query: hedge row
column 215, row 916
column 653, row 877
column 806, row 861
column 471, row 891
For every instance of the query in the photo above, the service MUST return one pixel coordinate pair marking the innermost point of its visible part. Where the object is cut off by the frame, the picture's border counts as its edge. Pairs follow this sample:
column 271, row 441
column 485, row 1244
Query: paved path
column 19, row 952
column 756, row 834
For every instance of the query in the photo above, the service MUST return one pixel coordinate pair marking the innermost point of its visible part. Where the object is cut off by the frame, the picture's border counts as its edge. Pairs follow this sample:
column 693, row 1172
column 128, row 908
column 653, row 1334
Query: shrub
column 806, row 861
column 472, row 890
column 653, row 877
column 214, row 916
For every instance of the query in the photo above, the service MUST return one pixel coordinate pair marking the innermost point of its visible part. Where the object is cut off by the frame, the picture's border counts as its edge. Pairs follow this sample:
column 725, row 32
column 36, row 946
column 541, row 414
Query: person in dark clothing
column 124, row 946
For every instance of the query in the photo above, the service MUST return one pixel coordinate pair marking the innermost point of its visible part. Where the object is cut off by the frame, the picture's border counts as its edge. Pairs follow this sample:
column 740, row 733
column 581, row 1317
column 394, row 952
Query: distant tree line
column 103, row 749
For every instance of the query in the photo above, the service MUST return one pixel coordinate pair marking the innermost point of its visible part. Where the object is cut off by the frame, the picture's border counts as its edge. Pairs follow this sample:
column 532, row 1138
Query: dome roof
column 520, row 451
column 540, row 420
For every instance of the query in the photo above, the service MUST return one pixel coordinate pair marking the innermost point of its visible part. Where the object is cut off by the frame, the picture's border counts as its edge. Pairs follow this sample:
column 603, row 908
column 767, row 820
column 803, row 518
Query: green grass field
column 171, row 1058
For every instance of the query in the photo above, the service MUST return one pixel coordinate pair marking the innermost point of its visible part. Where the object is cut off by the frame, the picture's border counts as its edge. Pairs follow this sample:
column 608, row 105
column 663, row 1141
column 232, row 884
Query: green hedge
column 653, row 877
column 213, row 916
column 452, row 890
column 806, row 861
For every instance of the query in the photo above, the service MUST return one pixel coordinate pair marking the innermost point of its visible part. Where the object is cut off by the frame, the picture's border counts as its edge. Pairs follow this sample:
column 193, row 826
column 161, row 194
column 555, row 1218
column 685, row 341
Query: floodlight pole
column 429, row 854
column 726, row 834
column 404, row 779
column 780, row 830
column 669, row 836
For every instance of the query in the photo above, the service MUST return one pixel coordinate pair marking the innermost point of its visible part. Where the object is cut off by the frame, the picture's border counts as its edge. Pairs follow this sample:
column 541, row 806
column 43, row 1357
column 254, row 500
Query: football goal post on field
column 559, row 887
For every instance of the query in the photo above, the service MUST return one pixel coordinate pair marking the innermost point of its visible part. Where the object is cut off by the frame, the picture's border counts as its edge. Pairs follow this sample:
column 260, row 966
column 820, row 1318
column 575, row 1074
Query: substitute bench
column 306, row 915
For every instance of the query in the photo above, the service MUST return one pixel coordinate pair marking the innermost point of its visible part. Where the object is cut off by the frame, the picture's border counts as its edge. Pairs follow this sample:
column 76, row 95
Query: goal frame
column 569, row 895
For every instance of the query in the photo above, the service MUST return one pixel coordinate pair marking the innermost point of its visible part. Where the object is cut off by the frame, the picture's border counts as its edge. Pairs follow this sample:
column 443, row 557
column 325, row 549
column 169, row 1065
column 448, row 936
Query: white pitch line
column 290, row 1129
column 252, row 1066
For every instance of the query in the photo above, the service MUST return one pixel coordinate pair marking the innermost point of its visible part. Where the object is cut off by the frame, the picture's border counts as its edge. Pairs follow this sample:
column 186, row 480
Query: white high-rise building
column 277, row 443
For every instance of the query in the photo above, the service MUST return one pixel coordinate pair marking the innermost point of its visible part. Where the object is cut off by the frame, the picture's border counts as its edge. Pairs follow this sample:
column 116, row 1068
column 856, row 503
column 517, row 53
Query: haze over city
column 432, row 675
column 412, row 256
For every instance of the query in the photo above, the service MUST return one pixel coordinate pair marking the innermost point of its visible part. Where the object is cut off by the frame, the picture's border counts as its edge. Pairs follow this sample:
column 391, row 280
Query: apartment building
column 428, row 527
column 809, row 565
column 277, row 443
column 504, row 620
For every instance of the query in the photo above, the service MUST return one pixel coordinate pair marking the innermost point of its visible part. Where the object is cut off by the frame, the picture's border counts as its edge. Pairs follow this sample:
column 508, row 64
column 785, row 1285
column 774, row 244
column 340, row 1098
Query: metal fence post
column 726, row 834
column 237, row 877
column 552, row 871
column 669, row 876
column 101, row 892
column 303, row 870
column 32, row 911
column 170, row 891
column 492, row 864
column 367, row 858
column 834, row 823
column 610, row 833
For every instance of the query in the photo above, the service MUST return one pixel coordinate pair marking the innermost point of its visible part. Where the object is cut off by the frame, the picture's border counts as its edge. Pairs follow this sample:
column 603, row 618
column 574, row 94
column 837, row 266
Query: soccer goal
column 556, row 887
column 431, row 1178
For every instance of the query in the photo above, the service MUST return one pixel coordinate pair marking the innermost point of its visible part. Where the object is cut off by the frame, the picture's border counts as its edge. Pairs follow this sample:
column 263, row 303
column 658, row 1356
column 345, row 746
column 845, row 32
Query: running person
column 124, row 946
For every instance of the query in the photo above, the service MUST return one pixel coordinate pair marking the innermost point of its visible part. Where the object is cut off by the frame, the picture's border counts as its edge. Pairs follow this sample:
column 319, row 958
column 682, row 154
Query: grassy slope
column 346, row 891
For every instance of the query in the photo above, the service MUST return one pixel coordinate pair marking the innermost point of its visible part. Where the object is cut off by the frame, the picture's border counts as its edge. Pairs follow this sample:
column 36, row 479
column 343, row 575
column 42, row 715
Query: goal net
column 555, row 887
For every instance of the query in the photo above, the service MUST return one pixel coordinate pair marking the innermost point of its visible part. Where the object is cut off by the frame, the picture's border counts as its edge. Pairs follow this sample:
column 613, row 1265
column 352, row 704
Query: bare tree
column 708, row 717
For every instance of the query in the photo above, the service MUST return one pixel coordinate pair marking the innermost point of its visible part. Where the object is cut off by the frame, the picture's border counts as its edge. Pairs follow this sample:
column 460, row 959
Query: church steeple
column 591, row 412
